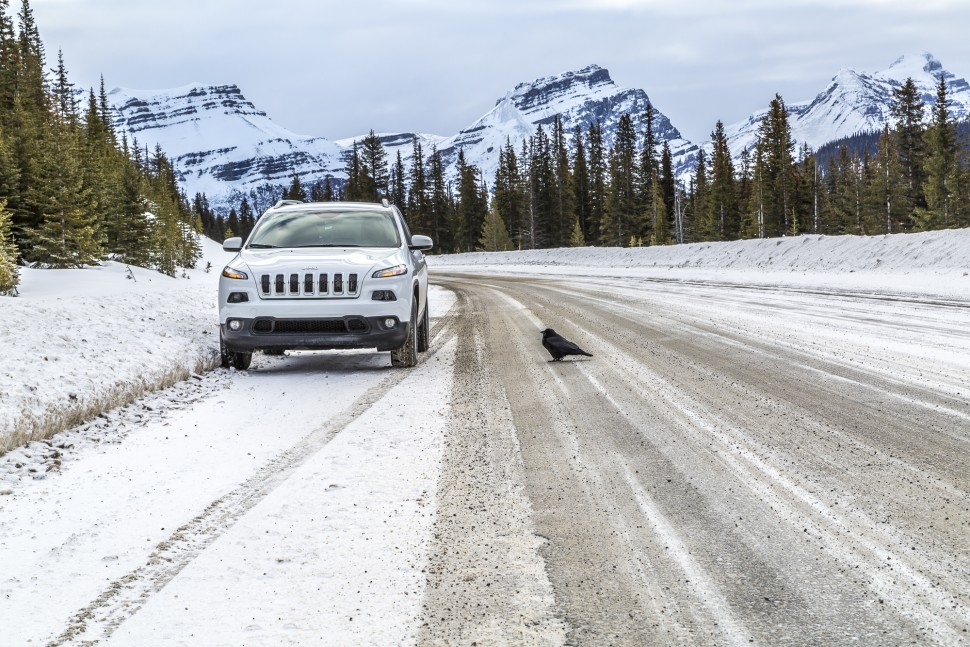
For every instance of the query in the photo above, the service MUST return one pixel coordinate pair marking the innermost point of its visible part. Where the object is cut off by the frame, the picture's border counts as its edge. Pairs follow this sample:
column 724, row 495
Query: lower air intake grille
column 303, row 326
column 309, row 325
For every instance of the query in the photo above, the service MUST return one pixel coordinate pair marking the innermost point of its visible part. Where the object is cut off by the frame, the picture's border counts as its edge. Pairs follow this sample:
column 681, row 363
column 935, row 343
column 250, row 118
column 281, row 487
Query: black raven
column 558, row 346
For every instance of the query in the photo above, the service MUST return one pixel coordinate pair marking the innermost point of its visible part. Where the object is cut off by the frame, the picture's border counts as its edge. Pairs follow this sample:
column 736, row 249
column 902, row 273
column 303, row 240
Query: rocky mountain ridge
column 223, row 146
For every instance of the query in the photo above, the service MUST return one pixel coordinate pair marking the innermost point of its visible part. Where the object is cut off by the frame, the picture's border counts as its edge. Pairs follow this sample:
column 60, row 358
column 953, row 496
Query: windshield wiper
column 262, row 246
column 326, row 245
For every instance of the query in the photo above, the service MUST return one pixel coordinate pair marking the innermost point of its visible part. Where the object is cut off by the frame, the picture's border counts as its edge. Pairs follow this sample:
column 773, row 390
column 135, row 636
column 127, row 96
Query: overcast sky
column 341, row 68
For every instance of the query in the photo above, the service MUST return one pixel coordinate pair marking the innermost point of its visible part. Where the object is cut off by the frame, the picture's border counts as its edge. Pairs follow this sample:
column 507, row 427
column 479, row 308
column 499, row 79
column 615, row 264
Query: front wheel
column 407, row 355
column 232, row 359
column 424, row 332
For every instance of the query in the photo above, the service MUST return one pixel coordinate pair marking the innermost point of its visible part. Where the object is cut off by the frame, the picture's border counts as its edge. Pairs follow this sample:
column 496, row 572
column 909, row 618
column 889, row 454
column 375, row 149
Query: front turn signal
column 231, row 273
column 397, row 270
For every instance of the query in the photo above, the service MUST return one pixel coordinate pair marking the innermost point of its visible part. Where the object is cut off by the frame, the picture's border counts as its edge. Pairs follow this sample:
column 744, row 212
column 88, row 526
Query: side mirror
column 232, row 244
column 421, row 242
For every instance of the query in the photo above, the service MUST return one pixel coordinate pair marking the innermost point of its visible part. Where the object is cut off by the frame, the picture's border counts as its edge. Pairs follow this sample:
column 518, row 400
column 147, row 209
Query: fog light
column 389, row 323
column 235, row 325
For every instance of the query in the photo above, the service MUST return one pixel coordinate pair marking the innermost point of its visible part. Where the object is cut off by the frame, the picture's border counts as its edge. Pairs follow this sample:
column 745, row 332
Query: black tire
column 424, row 331
column 241, row 361
column 407, row 355
column 233, row 359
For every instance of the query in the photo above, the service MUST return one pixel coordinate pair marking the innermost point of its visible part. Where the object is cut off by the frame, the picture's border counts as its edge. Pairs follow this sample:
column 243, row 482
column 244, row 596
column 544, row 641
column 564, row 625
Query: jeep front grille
column 310, row 286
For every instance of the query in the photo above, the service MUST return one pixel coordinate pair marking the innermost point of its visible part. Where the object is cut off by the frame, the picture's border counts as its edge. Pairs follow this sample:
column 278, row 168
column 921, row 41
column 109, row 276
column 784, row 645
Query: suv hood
column 268, row 260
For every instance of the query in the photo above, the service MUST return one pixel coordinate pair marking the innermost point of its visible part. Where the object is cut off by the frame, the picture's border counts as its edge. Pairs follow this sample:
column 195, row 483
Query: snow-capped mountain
column 219, row 142
column 580, row 98
column 222, row 145
column 855, row 102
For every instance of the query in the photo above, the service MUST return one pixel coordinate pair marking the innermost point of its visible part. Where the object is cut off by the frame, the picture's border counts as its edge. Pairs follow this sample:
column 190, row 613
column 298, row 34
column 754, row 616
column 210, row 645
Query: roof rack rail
column 385, row 203
column 283, row 203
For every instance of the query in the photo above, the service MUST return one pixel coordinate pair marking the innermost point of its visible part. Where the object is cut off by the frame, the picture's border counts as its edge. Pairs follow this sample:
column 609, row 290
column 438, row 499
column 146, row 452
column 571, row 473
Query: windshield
column 326, row 229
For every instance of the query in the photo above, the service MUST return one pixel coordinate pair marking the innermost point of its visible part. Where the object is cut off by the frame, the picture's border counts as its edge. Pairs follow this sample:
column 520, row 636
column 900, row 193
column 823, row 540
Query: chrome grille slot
column 307, row 285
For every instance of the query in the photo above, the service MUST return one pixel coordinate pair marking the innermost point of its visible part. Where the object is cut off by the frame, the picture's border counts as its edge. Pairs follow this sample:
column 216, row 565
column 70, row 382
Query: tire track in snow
column 124, row 596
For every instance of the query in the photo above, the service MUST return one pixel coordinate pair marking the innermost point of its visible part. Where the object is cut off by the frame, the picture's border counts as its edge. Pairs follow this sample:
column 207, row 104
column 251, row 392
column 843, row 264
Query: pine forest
column 74, row 192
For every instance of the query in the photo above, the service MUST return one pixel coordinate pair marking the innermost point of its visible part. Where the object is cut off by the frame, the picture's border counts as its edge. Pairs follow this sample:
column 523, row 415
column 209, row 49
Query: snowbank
column 933, row 263
column 79, row 342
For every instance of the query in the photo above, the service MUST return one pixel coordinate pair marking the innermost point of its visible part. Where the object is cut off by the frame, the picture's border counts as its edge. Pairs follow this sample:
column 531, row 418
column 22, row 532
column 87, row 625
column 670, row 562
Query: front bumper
column 272, row 333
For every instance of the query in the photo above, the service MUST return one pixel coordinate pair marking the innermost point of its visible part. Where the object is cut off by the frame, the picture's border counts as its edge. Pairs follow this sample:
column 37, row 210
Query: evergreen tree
column 812, row 190
column 68, row 235
column 660, row 230
column 247, row 219
column 598, row 174
column 581, row 185
column 31, row 79
column 353, row 191
column 65, row 103
column 232, row 222
column 941, row 163
column 495, row 236
column 565, row 208
column 9, row 64
column 543, row 193
column 418, row 207
column 398, row 190
column 375, row 177
column 576, row 238
column 648, row 155
column 702, row 206
column 294, row 192
column 328, row 192
column 668, row 183
column 755, row 221
column 104, row 110
column 9, row 274
column 471, row 206
column 723, row 217
column 439, row 203
column 509, row 199
column 907, row 110
column 778, row 169
column 842, row 181
column 889, row 187
column 132, row 240
column 622, row 206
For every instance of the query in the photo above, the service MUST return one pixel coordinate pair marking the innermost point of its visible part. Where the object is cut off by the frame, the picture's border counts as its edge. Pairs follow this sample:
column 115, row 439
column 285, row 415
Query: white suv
column 325, row 275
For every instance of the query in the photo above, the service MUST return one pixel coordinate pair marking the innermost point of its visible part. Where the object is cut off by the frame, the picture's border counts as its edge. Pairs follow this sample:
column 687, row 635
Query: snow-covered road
column 735, row 465
column 769, row 462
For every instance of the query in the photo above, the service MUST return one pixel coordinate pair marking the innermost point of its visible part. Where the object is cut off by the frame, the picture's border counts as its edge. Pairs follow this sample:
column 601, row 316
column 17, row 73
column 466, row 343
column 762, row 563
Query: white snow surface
column 78, row 341
column 333, row 549
column 933, row 264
